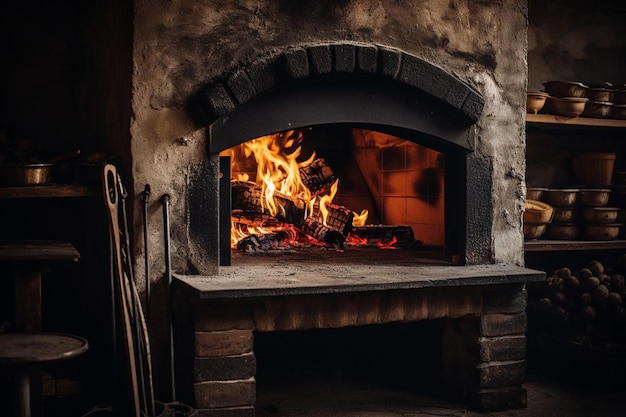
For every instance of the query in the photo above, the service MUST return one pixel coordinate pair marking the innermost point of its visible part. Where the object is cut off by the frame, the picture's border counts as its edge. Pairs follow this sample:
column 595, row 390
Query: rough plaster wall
column 181, row 44
column 584, row 43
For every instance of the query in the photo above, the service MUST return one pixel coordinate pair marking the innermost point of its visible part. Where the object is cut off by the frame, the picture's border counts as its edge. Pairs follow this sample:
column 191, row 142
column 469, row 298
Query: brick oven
column 358, row 92
column 419, row 116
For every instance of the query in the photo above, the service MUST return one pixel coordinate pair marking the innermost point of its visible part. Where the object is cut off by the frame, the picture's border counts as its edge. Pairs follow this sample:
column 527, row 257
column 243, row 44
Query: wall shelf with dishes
column 546, row 121
column 581, row 154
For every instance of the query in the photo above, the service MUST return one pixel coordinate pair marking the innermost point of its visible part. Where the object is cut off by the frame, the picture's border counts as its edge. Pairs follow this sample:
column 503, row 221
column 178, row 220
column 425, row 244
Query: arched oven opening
column 344, row 193
column 386, row 137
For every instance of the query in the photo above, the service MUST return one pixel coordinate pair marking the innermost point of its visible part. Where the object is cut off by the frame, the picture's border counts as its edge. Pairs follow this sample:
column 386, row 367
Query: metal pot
column 18, row 175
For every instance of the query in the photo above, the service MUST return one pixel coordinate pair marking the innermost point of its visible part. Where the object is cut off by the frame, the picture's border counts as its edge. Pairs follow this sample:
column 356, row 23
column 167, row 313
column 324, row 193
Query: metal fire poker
column 146, row 198
column 168, row 275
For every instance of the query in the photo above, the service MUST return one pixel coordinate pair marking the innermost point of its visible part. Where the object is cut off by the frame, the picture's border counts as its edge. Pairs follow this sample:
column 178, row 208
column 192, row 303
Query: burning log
column 317, row 176
column 384, row 234
column 254, row 219
column 262, row 242
column 248, row 197
column 339, row 218
column 318, row 231
column 239, row 217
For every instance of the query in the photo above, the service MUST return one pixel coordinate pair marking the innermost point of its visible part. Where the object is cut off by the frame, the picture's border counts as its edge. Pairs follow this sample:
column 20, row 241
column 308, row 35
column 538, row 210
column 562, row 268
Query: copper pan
column 19, row 175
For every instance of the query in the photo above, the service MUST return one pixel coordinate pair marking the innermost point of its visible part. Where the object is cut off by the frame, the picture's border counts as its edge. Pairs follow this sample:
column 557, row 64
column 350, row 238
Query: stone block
column 296, row 63
column 502, row 324
column 425, row 76
column 504, row 348
column 217, row 101
column 223, row 343
column 345, row 57
column 262, row 77
column 390, row 62
column 367, row 59
column 321, row 59
column 511, row 299
column 219, row 394
column 241, row 86
column 473, row 106
column 502, row 374
column 225, row 368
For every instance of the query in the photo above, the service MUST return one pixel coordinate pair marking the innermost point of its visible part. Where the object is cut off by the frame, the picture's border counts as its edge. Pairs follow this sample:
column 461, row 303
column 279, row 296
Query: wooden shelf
column 53, row 190
column 560, row 122
column 573, row 245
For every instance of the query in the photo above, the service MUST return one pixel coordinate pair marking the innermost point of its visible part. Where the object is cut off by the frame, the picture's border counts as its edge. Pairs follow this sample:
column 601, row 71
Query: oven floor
column 340, row 398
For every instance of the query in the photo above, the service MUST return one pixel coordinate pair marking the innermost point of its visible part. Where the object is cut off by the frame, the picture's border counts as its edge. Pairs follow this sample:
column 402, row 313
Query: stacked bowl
column 537, row 215
column 573, row 99
column 599, row 220
column 566, row 98
column 563, row 226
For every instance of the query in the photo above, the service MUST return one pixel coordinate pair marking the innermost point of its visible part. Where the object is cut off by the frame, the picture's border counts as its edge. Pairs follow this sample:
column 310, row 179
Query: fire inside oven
column 336, row 188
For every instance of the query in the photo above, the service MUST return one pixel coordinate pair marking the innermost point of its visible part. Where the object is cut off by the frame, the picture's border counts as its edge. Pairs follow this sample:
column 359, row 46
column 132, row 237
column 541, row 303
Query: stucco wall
column 180, row 45
column 573, row 41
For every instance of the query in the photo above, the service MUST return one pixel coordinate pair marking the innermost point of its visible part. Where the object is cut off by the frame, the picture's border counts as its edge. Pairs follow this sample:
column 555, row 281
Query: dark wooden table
column 25, row 261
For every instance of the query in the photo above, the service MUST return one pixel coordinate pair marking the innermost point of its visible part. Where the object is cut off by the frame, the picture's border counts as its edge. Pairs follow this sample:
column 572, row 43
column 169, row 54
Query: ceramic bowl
column 534, row 193
column 599, row 94
column 565, row 197
column 533, row 231
column 565, row 88
column 562, row 231
column 536, row 212
column 602, row 231
column 535, row 100
column 594, row 197
column 565, row 214
column 567, row 106
column 600, row 215
column 597, row 109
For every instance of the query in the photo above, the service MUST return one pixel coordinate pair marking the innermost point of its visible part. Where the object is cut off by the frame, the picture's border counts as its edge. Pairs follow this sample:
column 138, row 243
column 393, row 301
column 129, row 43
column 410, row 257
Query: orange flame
column 278, row 167
column 278, row 171
column 325, row 200
column 360, row 219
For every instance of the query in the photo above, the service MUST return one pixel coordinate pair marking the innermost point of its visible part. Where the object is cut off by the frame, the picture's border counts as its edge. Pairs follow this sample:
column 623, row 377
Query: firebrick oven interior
column 339, row 188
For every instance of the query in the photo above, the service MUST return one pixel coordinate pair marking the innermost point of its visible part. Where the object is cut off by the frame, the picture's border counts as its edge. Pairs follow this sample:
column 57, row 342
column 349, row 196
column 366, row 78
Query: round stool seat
column 39, row 347
column 22, row 349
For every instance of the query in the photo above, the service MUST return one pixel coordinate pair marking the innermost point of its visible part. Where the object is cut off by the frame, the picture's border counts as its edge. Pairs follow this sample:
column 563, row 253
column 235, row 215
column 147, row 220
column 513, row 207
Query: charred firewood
column 318, row 231
column 254, row 219
column 317, row 176
column 339, row 218
column 384, row 234
column 248, row 197
column 292, row 209
column 262, row 242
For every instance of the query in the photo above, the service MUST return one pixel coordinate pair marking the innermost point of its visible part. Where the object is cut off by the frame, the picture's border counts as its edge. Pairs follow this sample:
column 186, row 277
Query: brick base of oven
column 484, row 343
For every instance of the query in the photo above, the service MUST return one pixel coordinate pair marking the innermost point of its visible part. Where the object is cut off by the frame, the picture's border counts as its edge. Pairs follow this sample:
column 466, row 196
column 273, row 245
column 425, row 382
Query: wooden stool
column 24, row 349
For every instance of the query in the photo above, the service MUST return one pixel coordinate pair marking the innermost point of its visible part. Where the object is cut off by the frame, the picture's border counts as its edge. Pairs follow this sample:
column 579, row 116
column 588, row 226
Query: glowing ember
column 388, row 245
